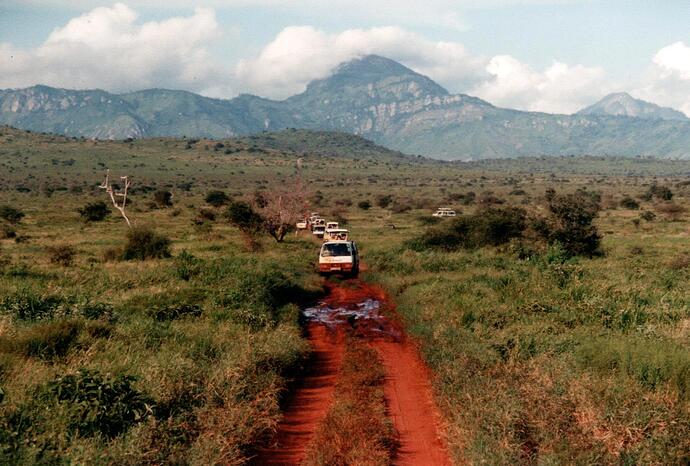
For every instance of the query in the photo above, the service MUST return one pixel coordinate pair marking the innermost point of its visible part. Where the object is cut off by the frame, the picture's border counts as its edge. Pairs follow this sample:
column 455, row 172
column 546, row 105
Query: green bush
column 489, row 227
column 187, row 266
column 46, row 340
column 629, row 203
column 663, row 193
column 11, row 214
column 571, row 223
column 62, row 254
column 144, row 243
column 364, row 205
column 27, row 305
column 217, row 198
column 94, row 211
column 245, row 218
column 96, row 403
column 163, row 198
column 175, row 311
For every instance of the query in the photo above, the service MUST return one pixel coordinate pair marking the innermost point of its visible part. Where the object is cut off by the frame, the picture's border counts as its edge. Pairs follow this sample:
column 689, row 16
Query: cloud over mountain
column 108, row 48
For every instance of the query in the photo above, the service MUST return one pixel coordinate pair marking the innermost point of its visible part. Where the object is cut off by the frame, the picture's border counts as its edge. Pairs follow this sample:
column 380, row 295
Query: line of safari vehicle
column 338, row 254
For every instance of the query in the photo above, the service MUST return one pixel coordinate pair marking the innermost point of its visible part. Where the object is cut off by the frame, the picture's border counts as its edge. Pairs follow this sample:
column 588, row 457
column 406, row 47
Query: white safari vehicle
column 331, row 225
column 339, row 257
column 302, row 225
column 444, row 212
column 336, row 234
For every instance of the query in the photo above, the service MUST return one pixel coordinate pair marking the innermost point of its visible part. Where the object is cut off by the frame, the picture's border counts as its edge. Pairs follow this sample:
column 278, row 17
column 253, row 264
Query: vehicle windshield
column 336, row 250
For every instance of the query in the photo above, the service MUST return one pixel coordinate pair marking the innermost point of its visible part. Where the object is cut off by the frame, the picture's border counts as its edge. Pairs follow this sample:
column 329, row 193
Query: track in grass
column 357, row 307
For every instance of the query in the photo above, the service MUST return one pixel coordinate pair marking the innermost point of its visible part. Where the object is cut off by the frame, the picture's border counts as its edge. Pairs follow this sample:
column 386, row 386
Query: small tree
column 144, row 243
column 384, row 200
column 217, row 198
column 364, row 205
column 247, row 220
column 122, row 194
column 571, row 223
column 11, row 214
column 94, row 211
column 163, row 198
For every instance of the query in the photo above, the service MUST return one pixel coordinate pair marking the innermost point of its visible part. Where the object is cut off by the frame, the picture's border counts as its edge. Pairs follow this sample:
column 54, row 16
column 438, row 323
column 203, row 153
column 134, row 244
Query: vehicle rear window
column 336, row 250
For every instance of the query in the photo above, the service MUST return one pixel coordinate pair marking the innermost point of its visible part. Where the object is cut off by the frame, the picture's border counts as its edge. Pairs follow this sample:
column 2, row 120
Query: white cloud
column 560, row 88
column 667, row 81
column 301, row 54
column 107, row 48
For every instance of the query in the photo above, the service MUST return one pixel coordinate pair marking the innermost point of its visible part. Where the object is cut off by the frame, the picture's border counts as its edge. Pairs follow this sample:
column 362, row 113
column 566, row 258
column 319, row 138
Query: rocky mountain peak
column 623, row 104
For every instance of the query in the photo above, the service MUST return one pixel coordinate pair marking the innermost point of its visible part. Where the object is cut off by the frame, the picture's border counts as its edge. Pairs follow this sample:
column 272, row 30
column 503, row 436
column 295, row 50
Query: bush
column 175, row 311
column 364, row 205
column 629, row 203
column 97, row 404
column 384, row 200
column 663, row 193
column 163, row 198
column 94, row 211
column 571, row 223
column 26, row 305
column 62, row 254
column 647, row 215
column 11, row 214
column 489, row 227
column 217, row 198
column 47, row 340
column 144, row 243
column 671, row 210
column 246, row 219
column 7, row 232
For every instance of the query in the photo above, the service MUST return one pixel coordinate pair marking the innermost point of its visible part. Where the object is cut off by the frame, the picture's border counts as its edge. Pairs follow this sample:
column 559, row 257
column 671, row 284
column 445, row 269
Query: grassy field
column 538, row 358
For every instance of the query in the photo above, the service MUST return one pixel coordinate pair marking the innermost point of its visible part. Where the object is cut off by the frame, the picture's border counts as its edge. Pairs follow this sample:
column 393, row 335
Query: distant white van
column 444, row 212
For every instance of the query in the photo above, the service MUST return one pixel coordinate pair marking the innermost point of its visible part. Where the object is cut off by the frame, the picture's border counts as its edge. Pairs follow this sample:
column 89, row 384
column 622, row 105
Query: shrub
column 246, row 219
column 629, row 203
column 175, row 311
column 26, row 305
column 217, row 198
column 7, row 232
column 11, row 214
column 384, row 200
column 46, row 340
column 62, row 254
column 671, row 210
column 489, row 227
column 205, row 215
column 187, row 266
column 663, row 193
column 96, row 403
column 647, row 215
column 571, row 223
column 163, row 198
column 364, row 205
column 144, row 243
column 94, row 211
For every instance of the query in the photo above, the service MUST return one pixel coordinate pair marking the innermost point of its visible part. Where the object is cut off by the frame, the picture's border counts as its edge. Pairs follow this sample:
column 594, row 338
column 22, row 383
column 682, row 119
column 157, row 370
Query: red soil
column 407, row 387
column 410, row 405
column 309, row 402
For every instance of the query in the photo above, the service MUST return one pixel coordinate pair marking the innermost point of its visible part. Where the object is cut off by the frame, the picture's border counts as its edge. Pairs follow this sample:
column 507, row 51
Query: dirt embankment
column 365, row 312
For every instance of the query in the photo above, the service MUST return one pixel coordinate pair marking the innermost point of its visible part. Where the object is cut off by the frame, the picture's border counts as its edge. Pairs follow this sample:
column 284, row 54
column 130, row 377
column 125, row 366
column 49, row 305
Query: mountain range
column 373, row 97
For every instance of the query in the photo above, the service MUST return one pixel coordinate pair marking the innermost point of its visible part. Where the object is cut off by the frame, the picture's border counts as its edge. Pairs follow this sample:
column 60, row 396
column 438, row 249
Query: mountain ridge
column 370, row 96
column 623, row 104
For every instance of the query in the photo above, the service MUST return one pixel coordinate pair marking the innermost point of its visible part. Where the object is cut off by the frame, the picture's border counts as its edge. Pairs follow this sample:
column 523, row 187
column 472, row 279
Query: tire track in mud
column 367, row 313
column 309, row 401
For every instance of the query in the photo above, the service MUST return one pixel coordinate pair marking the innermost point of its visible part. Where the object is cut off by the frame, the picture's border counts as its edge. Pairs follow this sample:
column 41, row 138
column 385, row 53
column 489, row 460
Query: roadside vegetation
column 553, row 312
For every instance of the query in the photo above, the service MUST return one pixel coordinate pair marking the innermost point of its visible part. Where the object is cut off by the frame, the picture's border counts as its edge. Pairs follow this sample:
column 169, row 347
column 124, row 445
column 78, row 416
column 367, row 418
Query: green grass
column 536, row 358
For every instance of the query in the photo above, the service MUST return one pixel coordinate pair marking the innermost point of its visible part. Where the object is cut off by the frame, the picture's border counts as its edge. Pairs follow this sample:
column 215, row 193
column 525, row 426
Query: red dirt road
column 407, row 386
column 411, row 406
column 309, row 402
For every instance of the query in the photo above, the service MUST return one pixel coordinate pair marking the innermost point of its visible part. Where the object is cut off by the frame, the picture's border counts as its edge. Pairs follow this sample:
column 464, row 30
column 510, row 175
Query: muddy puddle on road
column 365, row 318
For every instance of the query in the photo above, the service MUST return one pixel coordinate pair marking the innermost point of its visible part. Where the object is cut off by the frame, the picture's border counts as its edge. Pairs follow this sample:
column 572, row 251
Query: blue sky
column 551, row 55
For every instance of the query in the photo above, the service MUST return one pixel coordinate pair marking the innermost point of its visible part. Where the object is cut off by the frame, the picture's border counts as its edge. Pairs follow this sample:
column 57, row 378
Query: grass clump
column 11, row 214
column 62, row 254
column 144, row 243
column 489, row 227
column 94, row 211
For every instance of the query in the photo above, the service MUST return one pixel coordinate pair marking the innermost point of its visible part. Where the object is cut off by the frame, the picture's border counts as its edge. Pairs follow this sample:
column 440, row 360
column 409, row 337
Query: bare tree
column 122, row 194
column 283, row 206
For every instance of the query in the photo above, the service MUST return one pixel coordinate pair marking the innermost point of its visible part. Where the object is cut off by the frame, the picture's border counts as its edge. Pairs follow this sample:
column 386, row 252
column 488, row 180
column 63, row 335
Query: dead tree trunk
column 108, row 186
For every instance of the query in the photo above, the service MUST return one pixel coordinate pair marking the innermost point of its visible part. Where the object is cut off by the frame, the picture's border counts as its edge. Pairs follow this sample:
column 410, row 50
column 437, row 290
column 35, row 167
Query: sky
column 554, row 56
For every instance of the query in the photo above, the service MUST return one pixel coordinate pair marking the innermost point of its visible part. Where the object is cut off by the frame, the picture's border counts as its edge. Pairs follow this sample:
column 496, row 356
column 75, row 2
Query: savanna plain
column 553, row 313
